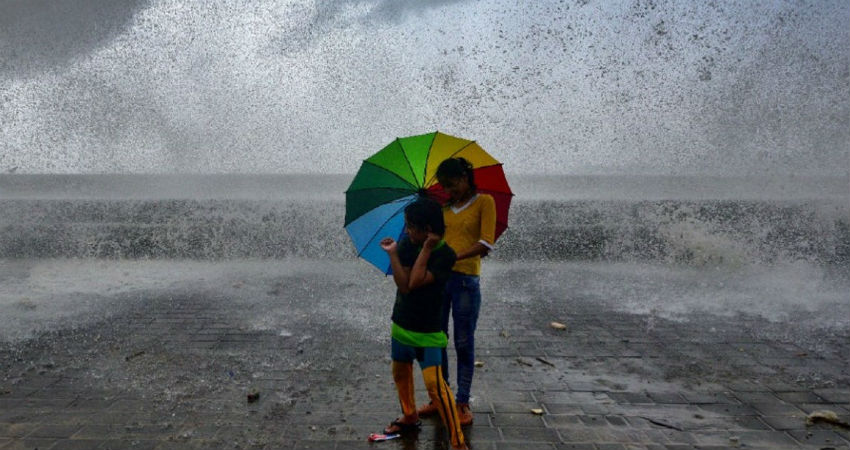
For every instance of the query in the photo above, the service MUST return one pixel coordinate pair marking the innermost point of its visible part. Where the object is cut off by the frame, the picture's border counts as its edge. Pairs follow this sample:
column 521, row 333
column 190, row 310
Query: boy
column 421, row 264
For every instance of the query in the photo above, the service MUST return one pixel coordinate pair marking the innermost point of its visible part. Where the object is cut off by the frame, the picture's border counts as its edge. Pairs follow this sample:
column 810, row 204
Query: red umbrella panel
column 489, row 180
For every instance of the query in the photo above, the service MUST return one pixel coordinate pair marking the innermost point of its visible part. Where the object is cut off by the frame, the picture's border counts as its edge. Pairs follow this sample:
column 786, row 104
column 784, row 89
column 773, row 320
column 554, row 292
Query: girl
column 470, row 220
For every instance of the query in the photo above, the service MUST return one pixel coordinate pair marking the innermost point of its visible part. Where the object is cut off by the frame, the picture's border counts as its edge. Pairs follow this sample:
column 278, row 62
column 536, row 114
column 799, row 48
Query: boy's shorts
column 427, row 356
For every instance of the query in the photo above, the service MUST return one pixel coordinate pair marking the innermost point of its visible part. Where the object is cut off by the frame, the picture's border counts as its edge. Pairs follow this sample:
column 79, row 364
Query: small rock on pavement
column 479, row 363
column 558, row 326
column 537, row 411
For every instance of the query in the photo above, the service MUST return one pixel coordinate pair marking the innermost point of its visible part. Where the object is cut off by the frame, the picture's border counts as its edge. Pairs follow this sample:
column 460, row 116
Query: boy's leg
column 465, row 307
column 442, row 397
column 402, row 367
column 403, row 377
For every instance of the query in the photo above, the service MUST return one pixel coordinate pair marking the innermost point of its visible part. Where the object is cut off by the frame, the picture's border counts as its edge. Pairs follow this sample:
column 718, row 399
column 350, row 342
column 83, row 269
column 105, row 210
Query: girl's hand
column 389, row 244
column 431, row 241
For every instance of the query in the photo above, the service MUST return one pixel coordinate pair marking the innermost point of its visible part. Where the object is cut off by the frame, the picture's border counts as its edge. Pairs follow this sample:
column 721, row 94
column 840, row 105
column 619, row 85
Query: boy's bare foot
column 428, row 410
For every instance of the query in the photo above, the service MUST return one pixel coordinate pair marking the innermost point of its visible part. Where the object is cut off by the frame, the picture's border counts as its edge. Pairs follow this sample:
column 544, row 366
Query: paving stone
column 656, row 447
column 834, row 395
column 595, row 409
column 778, row 409
column 562, row 408
column 79, row 444
column 29, row 444
column 617, row 421
column 799, row 397
column 515, row 407
column 573, row 446
column 812, row 407
column 579, row 386
column 785, row 422
column 16, row 430
column 667, row 397
column 769, row 439
column 679, row 437
column 513, row 397
column 610, row 446
column 517, row 446
column 747, row 386
column 578, row 435
column 561, row 421
column 630, row 397
column 819, row 437
column 750, row 423
column 653, row 436
column 781, row 386
column 730, row 409
column 611, row 435
column 524, row 434
column 757, row 397
column 716, row 437
column 54, row 431
column 593, row 420
column 709, row 397
column 95, row 432
column 480, row 434
column 518, row 420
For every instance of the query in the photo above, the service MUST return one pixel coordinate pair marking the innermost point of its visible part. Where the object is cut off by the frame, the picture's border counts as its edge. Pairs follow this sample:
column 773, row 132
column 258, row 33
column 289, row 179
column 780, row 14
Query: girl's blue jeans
column 462, row 298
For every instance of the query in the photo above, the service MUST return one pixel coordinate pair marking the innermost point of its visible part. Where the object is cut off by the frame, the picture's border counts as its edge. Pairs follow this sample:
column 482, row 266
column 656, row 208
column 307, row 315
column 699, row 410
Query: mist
column 556, row 87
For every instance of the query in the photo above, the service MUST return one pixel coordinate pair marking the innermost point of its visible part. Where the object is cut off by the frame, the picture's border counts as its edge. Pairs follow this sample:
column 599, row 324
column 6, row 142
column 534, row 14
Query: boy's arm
column 420, row 275
column 401, row 274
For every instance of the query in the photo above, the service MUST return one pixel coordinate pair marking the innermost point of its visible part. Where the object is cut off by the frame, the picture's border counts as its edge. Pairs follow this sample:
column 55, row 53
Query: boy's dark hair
column 424, row 213
column 456, row 168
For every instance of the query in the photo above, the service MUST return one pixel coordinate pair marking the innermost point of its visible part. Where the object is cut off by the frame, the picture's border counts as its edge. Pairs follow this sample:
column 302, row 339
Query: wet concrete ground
column 169, row 363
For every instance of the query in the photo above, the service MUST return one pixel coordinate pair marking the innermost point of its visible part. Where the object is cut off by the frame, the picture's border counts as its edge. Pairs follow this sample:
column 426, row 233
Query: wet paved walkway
column 172, row 370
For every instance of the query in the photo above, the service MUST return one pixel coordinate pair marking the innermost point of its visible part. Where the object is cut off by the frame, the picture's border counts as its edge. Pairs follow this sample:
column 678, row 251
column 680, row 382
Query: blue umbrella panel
column 368, row 230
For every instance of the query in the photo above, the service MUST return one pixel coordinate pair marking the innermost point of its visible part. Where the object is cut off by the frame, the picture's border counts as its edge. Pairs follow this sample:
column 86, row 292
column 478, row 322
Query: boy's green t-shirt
column 417, row 315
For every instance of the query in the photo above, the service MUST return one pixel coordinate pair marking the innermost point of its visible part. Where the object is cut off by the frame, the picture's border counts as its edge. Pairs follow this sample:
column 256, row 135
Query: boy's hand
column 431, row 241
column 389, row 244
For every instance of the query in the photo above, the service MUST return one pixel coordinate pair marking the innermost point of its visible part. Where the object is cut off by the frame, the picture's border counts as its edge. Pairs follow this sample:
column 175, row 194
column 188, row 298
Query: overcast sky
column 663, row 86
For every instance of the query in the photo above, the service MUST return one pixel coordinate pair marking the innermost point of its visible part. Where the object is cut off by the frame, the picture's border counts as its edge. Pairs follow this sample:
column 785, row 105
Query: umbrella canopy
column 392, row 178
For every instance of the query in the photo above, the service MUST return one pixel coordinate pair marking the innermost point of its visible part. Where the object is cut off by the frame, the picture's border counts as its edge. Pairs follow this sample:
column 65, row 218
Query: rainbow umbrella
column 392, row 178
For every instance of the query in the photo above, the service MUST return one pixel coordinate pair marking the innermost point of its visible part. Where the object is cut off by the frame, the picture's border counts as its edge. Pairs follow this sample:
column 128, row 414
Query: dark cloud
column 39, row 34
column 330, row 14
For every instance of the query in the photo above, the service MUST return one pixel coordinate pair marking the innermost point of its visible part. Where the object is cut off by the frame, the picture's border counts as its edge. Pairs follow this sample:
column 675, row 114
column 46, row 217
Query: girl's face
column 417, row 235
column 456, row 187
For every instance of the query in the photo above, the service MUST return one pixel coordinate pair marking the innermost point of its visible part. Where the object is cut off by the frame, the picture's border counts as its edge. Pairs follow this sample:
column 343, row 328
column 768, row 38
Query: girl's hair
column 424, row 213
column 456, row 168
